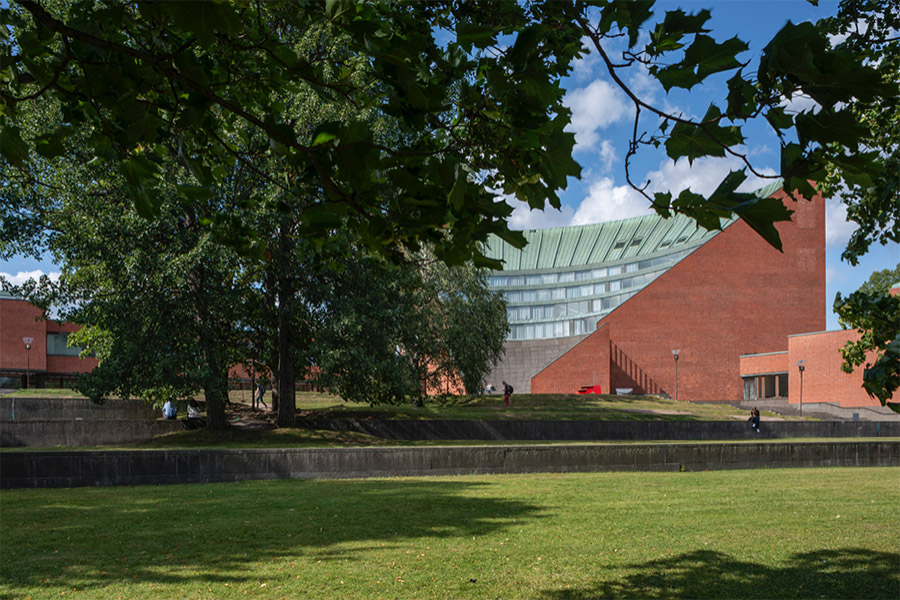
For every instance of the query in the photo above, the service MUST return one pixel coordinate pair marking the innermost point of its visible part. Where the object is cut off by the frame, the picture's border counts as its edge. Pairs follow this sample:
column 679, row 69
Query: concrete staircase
column 821, row 410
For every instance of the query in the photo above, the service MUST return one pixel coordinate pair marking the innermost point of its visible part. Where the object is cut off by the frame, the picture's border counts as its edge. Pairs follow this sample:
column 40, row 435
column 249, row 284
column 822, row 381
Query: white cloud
column 799, row 103
column 609, row 202
column 524, row 217
column 701, row 177
column 837, row 228
column 607, row 155
column 594, row 107
column 583, row 68
column 23, row 276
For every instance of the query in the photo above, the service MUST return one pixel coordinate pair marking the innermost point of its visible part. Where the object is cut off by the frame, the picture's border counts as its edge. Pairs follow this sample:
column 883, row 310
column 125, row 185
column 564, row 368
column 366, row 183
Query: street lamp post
column 801, row 368
column 28, row 341
column 675, row 356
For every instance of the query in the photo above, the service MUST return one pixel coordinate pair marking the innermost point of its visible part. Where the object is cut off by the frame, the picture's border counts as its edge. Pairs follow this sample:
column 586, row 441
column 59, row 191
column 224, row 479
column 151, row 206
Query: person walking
column 754, row 419
column 507, row 392
column 261, row 391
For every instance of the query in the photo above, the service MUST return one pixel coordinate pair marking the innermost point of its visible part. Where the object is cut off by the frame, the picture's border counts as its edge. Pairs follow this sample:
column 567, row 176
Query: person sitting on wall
column 194, row 420
column 169, row 410
column 754, row 419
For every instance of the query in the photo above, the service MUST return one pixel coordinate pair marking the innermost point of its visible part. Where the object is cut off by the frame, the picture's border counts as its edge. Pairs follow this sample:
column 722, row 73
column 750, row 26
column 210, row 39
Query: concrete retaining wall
column 79, row 432
column 70, row 469
column 51, row 409
column 604, row 430
column 44, row 422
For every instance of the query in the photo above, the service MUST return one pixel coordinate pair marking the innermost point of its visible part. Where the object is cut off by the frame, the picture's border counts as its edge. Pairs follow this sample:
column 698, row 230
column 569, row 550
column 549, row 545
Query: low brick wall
column 604, row 430
column 70, row 469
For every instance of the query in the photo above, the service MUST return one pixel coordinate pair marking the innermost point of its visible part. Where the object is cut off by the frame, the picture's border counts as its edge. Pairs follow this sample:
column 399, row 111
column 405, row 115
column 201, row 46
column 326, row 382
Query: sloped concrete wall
column 605, row 430
column 71, row 469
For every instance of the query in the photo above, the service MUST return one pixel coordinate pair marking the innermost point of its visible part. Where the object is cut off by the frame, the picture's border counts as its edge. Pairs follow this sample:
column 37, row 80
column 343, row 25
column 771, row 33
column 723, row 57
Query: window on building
column 57, row 345
column 631, row 267
column 565, row 277
column 619, row 245
column 615, row 271
column 636, row 242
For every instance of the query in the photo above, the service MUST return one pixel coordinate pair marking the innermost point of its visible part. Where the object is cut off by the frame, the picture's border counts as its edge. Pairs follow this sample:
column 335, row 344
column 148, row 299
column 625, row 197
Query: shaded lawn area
column 594, row 407
column 798, row 533
column 588, row 407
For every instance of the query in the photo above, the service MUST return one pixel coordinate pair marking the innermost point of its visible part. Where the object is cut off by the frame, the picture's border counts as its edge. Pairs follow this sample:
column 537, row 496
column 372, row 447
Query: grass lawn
column 823, row 533
column 594, row 407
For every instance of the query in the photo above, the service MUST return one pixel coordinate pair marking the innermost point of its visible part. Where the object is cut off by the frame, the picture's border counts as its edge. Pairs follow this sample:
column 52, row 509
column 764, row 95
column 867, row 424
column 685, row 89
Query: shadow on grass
column 840, row 573
column 184, row 535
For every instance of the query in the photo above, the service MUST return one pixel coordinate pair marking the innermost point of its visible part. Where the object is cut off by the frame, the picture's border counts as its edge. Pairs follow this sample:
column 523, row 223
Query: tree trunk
column 215, row 407
column 287, row 400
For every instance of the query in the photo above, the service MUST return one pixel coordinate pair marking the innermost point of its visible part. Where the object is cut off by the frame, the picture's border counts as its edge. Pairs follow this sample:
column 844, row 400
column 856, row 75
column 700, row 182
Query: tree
column 155, row 299
column 869, row 29
column 473, row 88
column 390, row 332
column 475, row 324
column 481, row 78
column 875, row 314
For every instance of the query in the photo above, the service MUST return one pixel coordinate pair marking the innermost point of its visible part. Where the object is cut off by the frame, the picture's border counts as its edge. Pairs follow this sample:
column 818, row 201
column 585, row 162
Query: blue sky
column 602, row 122
column 603, row 118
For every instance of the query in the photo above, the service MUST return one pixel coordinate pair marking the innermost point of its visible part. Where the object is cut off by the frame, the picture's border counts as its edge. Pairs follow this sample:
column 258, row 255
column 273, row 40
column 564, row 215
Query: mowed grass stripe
column 797, row 533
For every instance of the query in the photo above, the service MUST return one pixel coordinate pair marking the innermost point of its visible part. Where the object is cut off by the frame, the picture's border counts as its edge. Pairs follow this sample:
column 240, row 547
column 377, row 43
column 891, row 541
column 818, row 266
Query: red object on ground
column 590, row 389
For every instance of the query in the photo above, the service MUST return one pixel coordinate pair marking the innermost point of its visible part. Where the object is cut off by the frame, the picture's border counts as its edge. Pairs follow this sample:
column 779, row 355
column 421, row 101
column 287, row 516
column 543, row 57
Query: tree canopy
column 153, row 80
column 467, row 103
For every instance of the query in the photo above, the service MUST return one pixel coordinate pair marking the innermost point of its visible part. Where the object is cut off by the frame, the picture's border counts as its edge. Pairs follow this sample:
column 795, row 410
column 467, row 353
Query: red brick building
column 49, row 360
column 727, row 294
column 777, row 374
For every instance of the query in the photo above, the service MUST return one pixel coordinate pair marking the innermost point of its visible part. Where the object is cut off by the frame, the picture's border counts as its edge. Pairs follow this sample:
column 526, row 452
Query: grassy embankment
column 525, row 406
column 824, row 533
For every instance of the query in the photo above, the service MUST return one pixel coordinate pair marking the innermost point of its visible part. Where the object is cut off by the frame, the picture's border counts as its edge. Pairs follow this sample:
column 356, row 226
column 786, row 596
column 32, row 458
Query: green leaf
column 323, row 137
column 830, row 126
column 712, row 57
column 195, row 193
column 677, row 76
column 12, row 147
column 779, row 119
column 470, row 34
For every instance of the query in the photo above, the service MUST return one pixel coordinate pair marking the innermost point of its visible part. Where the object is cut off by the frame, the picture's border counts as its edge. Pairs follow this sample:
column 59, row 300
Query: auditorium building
column 658, row 306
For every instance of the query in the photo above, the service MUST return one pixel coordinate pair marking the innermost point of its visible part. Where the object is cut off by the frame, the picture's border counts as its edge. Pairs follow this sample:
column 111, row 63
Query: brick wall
column 18, row 319
column 823, row 380
column 764, row 364
column 587, row 363
column 734, row 295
